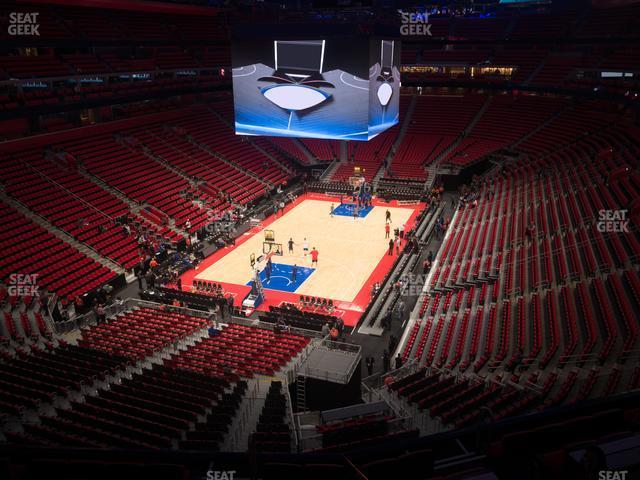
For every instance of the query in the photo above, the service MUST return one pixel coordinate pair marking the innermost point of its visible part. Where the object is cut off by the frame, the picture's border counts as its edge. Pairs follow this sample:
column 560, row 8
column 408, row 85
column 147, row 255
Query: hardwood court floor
column 349, row 250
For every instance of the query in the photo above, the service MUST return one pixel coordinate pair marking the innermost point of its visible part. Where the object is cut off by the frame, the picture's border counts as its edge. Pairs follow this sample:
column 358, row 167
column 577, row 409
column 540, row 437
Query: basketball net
column 355, row 182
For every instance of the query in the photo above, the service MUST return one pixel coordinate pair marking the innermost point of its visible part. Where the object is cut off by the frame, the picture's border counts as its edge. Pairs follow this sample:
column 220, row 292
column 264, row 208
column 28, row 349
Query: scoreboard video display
column 344, row 88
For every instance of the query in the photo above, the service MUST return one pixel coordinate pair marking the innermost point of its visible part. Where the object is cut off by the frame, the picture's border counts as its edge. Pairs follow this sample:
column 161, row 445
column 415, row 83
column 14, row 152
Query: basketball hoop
column 355, row 182
column 262, row 261
column 272, row 248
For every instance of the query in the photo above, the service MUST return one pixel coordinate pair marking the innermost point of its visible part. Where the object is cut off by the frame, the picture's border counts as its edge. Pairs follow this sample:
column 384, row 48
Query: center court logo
column 24, row 24
column 613, row 221
column 415, row 24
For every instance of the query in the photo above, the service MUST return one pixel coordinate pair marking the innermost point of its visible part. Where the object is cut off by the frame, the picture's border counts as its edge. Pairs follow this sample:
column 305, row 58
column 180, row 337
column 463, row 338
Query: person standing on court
column 387, row 230
column 331, row 211
column 314, row 257
column 387, row 216
column 294, row 273
column 291, row 243
column 267, row 270
column 305, row 247
column 390, row 246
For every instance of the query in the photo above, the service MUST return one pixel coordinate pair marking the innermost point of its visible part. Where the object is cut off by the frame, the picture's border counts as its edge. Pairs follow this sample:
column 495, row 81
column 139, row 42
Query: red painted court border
column 352, row 310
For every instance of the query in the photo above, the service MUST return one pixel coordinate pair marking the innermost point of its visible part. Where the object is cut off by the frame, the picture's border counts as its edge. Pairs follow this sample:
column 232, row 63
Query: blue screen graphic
column 312, row 88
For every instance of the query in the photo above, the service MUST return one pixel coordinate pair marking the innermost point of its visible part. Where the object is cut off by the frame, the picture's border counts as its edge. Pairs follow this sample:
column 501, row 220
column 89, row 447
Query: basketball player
column 387, row 216
column 305, row 247
column 331, row 211
column 267, row 271
column 269, row 268
column 291, row 243
column 294, row 273
column 314, row 257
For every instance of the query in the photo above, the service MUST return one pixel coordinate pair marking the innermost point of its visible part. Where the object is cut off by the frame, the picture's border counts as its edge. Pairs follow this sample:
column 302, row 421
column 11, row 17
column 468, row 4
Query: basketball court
column 353, row 254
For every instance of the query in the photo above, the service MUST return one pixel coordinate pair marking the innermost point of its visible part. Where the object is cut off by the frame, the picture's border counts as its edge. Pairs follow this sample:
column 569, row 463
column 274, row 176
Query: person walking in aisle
column 398, row 361
column 369, row 362
column 325, row 329
column 386, row 361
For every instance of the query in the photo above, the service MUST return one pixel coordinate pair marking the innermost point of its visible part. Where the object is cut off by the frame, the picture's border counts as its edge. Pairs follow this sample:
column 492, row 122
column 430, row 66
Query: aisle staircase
column 301, row 392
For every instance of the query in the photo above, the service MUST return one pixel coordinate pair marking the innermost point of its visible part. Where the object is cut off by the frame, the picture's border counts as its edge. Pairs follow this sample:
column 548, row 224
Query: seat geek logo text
column 23, row 24
column 414, row 24
column 613, row 221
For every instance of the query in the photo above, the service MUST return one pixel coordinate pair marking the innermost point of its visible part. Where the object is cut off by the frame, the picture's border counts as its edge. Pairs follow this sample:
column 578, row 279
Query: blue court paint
column 281, row 277
column 346, row 210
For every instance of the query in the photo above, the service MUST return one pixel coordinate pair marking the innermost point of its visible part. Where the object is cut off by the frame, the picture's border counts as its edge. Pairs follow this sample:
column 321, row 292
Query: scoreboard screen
column 344, row 88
